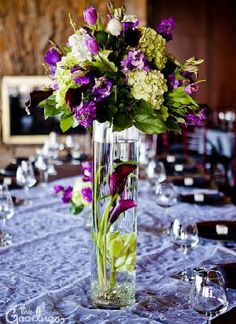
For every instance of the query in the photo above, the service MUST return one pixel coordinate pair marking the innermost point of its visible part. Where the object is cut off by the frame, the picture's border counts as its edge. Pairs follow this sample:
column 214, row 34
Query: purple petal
column 67, row 195
column 52, row 56
column 118, row 178
column 165, row 28
column 87, row 194
column 82, row 80
column 58, row 188
column 191, row 88
column 90, row 16
column 86, row 113
column 92, row 45
column 121, row 207
column 73, row 98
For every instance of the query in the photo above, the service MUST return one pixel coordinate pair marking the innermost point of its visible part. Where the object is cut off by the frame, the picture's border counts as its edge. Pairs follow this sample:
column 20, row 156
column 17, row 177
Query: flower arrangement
column 81, row 195
column 120, row 72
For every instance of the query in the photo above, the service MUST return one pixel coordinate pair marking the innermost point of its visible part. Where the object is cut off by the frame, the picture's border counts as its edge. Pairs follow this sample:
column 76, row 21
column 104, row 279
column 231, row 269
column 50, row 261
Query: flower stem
column 113, row 273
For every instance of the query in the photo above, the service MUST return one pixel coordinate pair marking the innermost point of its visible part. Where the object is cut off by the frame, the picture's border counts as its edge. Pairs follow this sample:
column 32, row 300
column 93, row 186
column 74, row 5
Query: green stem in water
column 113, row 273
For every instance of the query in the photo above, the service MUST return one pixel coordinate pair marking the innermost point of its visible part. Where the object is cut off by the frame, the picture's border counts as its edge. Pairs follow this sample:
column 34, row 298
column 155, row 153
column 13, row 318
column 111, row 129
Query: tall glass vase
column 114, row 230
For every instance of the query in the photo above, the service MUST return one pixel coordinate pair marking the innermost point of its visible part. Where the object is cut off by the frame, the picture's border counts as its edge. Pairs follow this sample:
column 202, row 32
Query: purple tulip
column 90, row 16
column 58, row 188
column 191, row 88
column 67, row 195
column 87, row 194
column 92, row 45
column 73, row 98
column 118, row 178
column 121, row 207
column 52, row 56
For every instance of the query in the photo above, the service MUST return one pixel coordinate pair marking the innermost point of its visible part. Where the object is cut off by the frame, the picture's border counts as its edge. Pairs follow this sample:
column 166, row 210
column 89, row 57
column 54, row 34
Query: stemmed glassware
column 25, row 177
column 156, row 172
column 6, row 212
column 184, row 234
column 41, row 164
column 166, row 197
column 74, row 148
column 208, row 294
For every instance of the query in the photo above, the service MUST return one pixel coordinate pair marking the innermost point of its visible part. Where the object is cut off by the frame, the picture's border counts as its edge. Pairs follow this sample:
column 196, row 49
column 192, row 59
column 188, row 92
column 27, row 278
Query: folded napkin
column 214, row 199
column 217, row 230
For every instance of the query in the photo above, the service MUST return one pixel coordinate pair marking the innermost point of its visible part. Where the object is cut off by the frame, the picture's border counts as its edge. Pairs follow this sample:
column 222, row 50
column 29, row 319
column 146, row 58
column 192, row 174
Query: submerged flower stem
column 113, row 273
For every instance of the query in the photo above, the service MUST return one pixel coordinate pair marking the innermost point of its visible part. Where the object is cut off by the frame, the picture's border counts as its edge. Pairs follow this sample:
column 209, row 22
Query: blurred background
column 204, row 28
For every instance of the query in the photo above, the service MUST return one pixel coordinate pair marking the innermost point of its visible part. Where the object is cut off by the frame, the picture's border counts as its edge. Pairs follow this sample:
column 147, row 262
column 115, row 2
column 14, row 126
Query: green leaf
column 101, row 37
column 178, row 97
column 150, row 122
column 76, row 209
column 122, row 121
column 66, row 123
column 102, row 62
column 49, row 106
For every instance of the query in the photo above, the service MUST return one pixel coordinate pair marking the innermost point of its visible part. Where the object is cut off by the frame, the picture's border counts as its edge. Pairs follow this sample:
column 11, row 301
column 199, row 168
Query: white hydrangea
column 78, row 46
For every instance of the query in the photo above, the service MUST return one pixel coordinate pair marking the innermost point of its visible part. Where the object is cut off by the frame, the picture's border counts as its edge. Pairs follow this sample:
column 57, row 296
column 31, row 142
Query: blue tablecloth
column 44, row 275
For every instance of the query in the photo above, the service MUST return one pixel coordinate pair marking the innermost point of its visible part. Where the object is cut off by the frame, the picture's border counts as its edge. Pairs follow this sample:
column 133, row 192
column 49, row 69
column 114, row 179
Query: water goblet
column 184, row 234
column 208, row 295
column 166, row 197
column 156, row 172
column 6, row 212
column 25, row 178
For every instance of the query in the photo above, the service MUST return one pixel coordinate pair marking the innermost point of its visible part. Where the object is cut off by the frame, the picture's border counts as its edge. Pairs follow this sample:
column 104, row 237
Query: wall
column 25, row 28
column 205, row 29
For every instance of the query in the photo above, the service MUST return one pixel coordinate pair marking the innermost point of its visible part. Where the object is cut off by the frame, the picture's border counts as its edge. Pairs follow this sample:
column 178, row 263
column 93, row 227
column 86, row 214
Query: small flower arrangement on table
column 81, row 195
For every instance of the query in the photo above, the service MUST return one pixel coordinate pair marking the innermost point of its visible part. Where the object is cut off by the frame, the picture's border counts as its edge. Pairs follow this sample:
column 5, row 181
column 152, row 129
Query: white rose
column 114, row 27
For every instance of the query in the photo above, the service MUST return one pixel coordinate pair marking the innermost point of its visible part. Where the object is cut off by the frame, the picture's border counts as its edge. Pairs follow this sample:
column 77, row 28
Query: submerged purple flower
column 58, row 188
column 196, row 119
column 165, row 28
column 73, row 98
column 90, row 16
column 121, row 206
column 87, row 171
column 52, row 56
column 92, row 45
column 118, row 178
column 87, row 194
column 135, row 60
column 172, row 82
column 67, row 194
column 102, row 88
column 191, row 88
column 86, row 113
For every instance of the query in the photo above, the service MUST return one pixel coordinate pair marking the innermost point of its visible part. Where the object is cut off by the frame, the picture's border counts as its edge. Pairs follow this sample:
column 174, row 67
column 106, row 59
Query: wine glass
column 166, row 196
column 74, row 148
column 6, row 212
column 41, row 164
column 184, row 234
column 25, row 178
column 156, row 172
column 208, row 295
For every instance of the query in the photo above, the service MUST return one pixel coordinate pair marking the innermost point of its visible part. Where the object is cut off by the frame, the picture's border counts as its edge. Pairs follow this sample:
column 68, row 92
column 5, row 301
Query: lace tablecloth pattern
column 44, row 275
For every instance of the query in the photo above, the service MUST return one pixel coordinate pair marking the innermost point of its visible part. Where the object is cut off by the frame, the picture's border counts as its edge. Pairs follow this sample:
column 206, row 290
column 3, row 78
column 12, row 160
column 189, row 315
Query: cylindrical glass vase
column 114, row 230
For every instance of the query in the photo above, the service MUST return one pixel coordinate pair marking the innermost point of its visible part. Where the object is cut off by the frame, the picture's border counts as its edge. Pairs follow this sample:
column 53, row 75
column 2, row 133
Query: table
column 44, row 275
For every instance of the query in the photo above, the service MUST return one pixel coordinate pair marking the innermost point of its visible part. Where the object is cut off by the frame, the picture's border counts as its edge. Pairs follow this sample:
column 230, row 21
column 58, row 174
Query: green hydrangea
column 154, row 46
column 149, row 86
column 63, row 77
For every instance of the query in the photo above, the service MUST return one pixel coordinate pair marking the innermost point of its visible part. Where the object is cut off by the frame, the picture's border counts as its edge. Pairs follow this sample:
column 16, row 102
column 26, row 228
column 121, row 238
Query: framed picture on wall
column 17, row 126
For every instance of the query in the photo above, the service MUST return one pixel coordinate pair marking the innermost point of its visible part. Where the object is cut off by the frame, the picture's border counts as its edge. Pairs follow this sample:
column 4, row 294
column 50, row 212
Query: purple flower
column 118, row 178
column 87, row 194
column 86, row 113
column 132, row 36
column 172, row 82
column 67, row 194
column 58, row 188
column 92, row 45
column 121, row 207
column 52, row 56
column 52, row 69
column 102, row 88
column 195, row 119
column 90, row 16
column 87, row 171
column 134, row 60
column 73, row 98
column 129, row 24
column 76, row 68
column 82, row 80
column 165, row 28
column 191, row 88
column 188, row 75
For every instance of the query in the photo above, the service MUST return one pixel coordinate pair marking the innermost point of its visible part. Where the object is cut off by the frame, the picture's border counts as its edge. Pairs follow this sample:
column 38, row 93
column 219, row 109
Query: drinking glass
column 156, row 172
column 25, row 178
column 208, row 295
column 41, row 164
column 6, row 212
column 166, row 197
column 74, row 148
column 184, row 234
